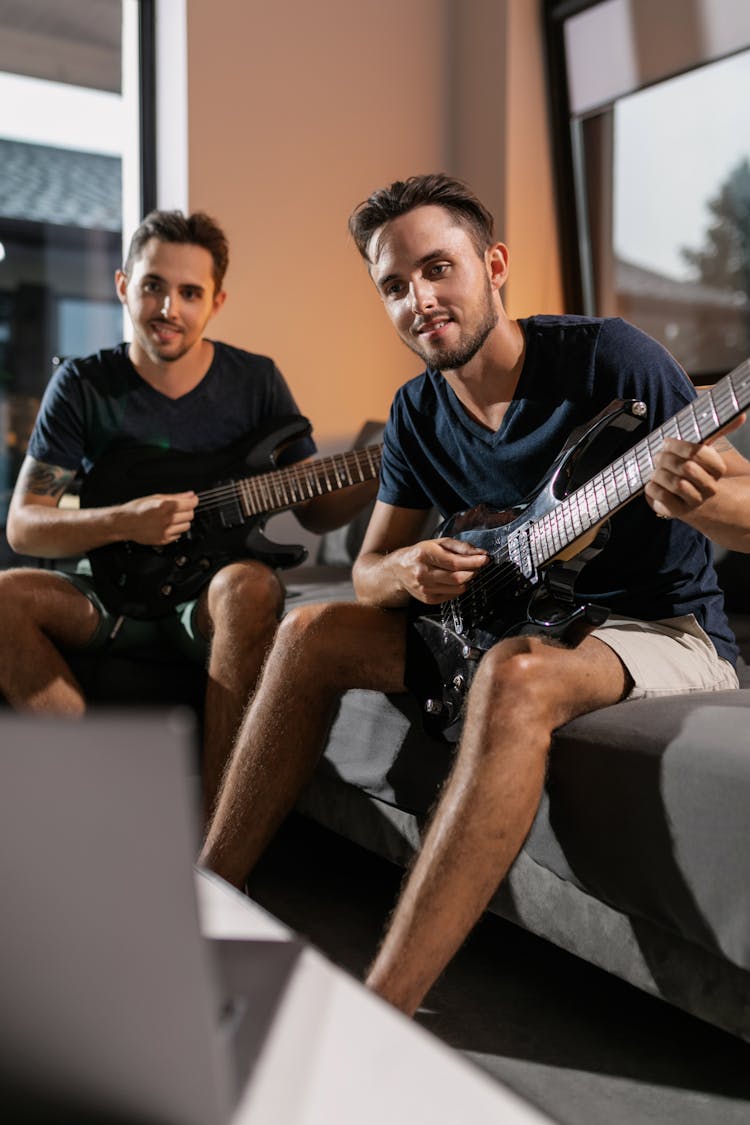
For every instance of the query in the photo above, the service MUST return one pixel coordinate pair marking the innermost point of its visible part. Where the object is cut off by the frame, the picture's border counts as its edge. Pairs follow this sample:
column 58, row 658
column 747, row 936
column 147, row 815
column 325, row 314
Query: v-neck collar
column 490, row 438
column 194, row 392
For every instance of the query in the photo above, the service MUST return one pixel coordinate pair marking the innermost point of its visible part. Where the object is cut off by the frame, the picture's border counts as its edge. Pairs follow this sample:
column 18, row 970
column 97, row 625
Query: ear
column 218, row 301
column 121, row 285
column 498, row 261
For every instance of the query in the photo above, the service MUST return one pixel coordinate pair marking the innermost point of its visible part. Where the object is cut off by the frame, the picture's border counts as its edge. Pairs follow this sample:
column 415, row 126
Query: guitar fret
column 692, row 431
column 592, row 507
column 254, row 492
column 271, row 490
column 645, row 460
column 282, row 492
column 301, row 487
column 734, row 403
column 706, row 417
column 558, row 540
column 247, row 499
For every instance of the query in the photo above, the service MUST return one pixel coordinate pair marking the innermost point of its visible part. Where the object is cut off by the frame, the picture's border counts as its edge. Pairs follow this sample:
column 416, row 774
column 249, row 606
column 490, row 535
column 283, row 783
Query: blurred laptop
column 113, row 1007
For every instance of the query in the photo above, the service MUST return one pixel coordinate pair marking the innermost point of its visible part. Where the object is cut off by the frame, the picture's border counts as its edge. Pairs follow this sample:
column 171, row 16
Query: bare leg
column 320, row 652
column 240, row 612
column 39, row 611
column 522, row 692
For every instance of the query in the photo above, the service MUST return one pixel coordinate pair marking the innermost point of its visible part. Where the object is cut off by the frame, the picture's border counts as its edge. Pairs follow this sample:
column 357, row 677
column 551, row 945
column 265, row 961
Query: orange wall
column 296, row 111
column 535, row 284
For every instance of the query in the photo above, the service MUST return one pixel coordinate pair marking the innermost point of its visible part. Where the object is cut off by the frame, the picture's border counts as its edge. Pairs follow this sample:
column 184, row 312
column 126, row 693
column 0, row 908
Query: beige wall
column 296, row 111
column 535, row 284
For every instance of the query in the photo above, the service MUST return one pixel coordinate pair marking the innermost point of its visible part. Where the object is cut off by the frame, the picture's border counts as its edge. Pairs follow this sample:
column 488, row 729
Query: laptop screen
column 108, row 992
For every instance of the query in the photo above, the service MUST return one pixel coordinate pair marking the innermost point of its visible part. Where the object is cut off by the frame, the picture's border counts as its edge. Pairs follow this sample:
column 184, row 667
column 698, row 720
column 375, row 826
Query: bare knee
column 42, row 600
column 517, row 675
column 19, row 586
column 246, row 592
column 344, row 645
column 314, row 630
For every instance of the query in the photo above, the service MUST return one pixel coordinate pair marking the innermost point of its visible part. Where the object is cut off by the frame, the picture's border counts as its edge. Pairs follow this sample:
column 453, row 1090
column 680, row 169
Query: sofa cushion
column 645, row 805
column 648, row 804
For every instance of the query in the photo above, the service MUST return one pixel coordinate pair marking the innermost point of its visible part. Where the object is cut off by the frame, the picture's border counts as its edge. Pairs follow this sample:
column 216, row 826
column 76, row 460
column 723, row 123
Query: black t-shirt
column 93, row 403
column 574, row 367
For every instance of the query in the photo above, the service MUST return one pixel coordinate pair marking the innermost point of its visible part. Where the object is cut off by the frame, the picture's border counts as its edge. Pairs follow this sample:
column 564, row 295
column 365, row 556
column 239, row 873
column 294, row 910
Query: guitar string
column 290, row 477
column 493, row 581
column 502, row 572
column 353, row 459
column 297, row 474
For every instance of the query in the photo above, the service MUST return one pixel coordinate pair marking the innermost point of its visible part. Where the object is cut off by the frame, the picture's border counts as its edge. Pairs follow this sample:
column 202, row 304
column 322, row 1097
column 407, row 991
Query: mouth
column 433, row 328
column 164, row 332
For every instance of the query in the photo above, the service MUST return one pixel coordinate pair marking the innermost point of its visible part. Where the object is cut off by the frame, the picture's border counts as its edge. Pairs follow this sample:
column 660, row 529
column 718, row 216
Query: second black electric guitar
column 236, row 495
column 537, row 549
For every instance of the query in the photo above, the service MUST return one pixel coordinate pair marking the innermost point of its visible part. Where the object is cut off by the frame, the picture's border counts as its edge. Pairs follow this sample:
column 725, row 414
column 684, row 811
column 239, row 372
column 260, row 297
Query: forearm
column 377, row 580
column 50, row 532
column 325, row 513
column 725, row 518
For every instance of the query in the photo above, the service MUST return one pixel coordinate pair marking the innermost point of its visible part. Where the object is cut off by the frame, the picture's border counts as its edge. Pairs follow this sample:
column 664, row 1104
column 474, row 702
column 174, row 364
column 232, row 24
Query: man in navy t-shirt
column 482, row 425
column 173, row 388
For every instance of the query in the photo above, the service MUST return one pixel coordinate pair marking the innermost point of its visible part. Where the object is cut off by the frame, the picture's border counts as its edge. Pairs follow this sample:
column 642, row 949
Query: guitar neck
column 608, row 491
column 284, row 488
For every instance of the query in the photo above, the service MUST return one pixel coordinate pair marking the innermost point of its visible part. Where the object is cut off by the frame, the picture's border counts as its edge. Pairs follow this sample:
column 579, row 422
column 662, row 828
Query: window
column 70, row 163
column 654, row 164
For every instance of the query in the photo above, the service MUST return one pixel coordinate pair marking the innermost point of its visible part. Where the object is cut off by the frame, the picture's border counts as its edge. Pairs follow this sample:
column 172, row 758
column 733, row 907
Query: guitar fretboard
column 541, row 541
column 283, row 488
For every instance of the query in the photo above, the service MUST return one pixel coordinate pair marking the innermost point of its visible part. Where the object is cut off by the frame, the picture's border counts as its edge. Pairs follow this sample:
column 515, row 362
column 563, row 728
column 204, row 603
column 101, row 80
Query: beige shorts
column 667, row 657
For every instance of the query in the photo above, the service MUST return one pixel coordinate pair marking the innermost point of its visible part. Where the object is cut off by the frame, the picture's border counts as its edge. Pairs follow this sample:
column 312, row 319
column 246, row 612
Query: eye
column 150, row 286
column 393, row 289
column 192, row 293
column 437, row 269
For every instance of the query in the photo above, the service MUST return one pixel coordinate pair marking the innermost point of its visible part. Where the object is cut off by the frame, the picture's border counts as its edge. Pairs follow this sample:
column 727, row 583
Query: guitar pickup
column 520, row 553
column 229, row 514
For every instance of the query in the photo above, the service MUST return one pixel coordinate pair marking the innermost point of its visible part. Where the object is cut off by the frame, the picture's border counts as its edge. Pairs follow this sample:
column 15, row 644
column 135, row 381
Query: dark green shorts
column 178, row 630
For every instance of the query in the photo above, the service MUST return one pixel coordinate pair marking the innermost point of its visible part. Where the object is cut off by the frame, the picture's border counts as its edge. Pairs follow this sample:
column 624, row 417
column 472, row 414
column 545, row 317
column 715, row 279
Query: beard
column 448, row 359
column 158, row 353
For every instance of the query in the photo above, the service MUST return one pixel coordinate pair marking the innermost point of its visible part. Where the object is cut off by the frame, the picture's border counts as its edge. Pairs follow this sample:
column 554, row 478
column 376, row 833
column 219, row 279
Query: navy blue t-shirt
column 435, row 454
column 93, row 403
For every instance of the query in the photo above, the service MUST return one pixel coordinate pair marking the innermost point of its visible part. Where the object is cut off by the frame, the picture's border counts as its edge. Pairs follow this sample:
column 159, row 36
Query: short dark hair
column 198, row 229
column 435, row 188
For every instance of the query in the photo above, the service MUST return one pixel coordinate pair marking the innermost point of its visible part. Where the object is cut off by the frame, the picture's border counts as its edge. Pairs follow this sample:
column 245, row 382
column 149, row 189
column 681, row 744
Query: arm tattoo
column 42, row 479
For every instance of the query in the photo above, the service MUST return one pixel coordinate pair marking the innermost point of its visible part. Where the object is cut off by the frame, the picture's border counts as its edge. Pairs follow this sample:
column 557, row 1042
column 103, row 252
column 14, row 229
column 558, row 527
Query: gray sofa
column 639, row 857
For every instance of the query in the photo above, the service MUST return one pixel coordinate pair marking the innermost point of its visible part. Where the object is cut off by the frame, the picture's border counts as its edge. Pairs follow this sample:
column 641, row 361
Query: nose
column 166, row 306
column 421, row 296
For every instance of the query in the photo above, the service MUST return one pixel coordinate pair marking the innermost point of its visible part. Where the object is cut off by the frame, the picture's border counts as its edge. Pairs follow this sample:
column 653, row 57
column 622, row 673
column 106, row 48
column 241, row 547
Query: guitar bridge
column 452, row 616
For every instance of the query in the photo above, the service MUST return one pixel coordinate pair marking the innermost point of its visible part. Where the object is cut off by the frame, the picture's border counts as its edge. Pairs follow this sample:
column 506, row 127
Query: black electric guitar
column 147, row 582
column 537, row 549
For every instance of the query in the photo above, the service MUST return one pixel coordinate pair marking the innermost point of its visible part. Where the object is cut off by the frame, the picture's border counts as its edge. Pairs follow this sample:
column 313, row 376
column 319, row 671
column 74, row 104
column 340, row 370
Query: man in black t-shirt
column 173, row 387
column 488, row 413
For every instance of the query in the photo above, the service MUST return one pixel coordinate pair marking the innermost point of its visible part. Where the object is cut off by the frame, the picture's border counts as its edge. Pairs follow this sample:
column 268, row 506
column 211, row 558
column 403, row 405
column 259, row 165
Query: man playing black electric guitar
column 483, row 424
column 169, row 387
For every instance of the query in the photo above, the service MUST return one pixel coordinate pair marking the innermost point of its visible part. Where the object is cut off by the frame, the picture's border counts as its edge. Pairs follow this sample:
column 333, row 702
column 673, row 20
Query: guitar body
column 444, row 648
column 509, row 596
column 147, row 582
